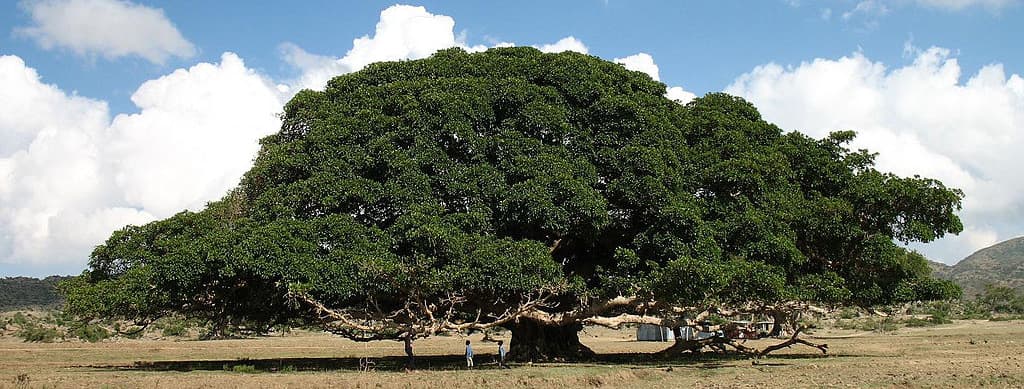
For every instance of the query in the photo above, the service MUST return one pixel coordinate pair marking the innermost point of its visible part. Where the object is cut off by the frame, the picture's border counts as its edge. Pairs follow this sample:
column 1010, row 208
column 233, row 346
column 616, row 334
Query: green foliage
column 34, row 332
column 497, row 174
column 849, row 313
column 883, row 324
column 287, row 369
column 1001, row 299
column 172, row 326
column 89, row 332
column 175, row 330
column 20, row 319
column 246, row 369
column 934, row 319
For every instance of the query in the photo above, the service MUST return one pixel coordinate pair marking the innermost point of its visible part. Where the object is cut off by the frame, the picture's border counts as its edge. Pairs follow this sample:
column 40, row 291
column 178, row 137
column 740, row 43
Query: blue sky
column 931, row 84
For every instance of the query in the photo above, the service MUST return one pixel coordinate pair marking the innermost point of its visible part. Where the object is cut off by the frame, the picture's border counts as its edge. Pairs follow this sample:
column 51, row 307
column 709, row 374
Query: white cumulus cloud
column 643, row 62
column 70, row 174
column 195, row 136
column 54, row 195
column 568, row 43
column 403, row 32
column 108, row 28
column 922, row 118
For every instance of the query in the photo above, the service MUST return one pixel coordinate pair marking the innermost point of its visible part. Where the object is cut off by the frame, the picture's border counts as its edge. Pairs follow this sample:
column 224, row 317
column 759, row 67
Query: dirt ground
column 962, row 354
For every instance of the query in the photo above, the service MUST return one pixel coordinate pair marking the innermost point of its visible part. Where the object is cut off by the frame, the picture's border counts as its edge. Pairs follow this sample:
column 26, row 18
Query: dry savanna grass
column 962, row 354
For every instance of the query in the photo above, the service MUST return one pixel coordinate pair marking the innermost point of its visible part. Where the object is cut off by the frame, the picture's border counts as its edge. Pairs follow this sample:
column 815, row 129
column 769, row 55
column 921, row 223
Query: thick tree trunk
column 780, row 319
column 533, row 340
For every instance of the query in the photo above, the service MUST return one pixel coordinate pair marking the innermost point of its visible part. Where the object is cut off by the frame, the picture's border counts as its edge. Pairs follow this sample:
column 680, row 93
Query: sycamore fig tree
column 535, row 192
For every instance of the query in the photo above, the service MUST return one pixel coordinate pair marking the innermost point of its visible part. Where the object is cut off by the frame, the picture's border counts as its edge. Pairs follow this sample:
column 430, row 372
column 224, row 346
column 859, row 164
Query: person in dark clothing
column 410, row 363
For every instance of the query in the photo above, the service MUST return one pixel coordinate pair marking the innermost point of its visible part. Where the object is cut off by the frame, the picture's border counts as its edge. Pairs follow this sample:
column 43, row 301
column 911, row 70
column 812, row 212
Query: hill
column 26, row 292
column 1002, row 263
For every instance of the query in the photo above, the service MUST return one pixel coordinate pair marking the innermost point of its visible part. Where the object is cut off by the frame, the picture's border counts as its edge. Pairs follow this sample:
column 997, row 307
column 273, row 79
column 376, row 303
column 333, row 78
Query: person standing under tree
column 501, row 355
column 409, row 362
column 469, row 354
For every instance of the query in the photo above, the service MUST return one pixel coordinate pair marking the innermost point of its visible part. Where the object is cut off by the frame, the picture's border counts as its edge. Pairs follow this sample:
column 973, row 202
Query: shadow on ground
column 446, row 362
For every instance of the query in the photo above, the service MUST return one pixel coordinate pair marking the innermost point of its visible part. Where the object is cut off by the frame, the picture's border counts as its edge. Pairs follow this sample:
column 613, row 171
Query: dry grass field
column 962, row 354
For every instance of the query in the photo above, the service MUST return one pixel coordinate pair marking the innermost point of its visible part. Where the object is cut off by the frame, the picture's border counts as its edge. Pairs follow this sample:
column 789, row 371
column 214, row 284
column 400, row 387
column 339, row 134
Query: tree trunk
column 780, row 319
column 533, row 340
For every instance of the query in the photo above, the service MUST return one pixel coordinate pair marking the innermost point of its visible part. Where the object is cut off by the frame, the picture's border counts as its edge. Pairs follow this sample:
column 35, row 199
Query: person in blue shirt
column 469, row 354
column 501, row 355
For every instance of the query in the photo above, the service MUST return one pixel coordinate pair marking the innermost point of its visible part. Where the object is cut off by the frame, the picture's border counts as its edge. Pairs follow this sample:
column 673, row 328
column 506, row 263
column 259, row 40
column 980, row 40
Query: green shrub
column 886, row 324
column 37, row 333
column 91, row 333
column 916, row 322
column 939, row 317
column 173, row 326
column 248, row 369
column 19, row 319
column 287, row 369
column 849, row 313
column 847, row 324
column 174, row 330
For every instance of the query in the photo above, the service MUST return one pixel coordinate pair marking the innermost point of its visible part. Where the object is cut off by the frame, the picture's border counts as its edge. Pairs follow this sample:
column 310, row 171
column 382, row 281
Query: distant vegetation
column 26, row 292
column 1001, row 264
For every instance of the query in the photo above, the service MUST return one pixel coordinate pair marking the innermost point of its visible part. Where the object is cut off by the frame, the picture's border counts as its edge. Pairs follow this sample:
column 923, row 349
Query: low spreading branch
column 420, row 319
column 793, row 340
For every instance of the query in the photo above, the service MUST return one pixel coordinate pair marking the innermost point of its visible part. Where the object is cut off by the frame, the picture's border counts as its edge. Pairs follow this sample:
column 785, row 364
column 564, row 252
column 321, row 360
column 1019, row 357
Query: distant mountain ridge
column 1002, row 264
column 26, row 292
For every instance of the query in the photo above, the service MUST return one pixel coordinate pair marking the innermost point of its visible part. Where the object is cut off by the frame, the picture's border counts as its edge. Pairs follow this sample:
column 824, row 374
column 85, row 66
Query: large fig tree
column 536, row 192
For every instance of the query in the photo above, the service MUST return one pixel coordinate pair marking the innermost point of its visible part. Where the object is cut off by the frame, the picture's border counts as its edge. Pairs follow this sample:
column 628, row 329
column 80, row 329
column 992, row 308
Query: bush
column 916, row 322
column 886, row 324
column 248, row 369
column 288, row 369
column 1000, row 299
column 19, row 319
column 173, row 326
column 849, row 313
column 91, row 333
column 939, row 317
column 37, row 333
column 174, row 330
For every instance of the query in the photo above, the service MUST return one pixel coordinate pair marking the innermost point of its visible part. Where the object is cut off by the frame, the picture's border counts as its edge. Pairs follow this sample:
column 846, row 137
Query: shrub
column 849, row 313
column 173, row 326
column 91, row 333
column 288, row 369
column 37, row 333
column 19, row 319
column 248, row 369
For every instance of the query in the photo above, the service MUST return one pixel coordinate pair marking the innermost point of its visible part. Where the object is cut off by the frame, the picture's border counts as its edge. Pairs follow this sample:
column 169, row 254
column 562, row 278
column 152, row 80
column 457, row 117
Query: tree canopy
column 465, row 191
